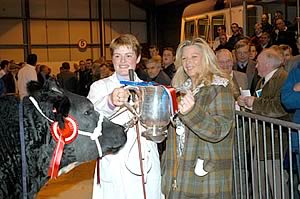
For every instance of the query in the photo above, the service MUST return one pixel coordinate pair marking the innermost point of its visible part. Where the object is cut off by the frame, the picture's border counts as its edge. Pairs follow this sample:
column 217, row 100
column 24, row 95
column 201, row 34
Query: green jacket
column 209, row 136
column 269, row 104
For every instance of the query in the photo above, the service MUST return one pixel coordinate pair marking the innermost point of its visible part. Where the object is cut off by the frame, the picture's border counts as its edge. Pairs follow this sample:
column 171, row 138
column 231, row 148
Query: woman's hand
column 187, row 103
column 119, row 96
column 297, row 87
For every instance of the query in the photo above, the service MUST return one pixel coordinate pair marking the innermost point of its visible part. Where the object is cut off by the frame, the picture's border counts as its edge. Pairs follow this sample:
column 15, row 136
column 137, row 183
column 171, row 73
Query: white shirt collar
column 270, row 75
column 243, row 63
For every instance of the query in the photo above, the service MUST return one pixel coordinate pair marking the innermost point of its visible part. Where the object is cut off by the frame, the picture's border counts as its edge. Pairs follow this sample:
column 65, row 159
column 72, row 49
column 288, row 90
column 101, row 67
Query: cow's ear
column 52, row 86
column 33, row 87
column 62, row 106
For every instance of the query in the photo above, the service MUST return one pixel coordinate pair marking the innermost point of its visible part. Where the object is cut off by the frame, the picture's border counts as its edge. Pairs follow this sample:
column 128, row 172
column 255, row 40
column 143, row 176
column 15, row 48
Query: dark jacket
column 286, row 37
column 290, row 100
column 269, row 104
column 161, row 78
column 233, row 39
column 9, row 83
column 170, row 70
column 68, row 81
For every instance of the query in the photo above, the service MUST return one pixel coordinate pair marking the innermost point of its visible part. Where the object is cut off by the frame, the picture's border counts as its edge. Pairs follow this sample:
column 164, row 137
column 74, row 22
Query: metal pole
column 245, row 17
column 230, row 16
column 101, row 28
column 298, row 20
column 91, row 30
column 26, row 28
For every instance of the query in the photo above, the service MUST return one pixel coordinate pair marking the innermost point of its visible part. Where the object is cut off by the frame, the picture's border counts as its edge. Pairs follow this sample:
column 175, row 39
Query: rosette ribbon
column 173, row 100
column 62, row 136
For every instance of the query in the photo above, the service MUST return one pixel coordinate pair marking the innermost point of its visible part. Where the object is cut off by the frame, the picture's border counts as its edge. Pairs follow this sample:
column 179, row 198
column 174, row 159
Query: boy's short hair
column 126, row 40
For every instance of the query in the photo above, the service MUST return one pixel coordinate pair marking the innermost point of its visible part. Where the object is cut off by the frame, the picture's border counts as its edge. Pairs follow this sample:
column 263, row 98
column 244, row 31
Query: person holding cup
column 121, row 174
column 197, row 162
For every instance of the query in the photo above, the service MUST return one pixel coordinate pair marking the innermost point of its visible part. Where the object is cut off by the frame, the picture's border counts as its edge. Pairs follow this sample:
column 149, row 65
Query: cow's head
column 66, row 103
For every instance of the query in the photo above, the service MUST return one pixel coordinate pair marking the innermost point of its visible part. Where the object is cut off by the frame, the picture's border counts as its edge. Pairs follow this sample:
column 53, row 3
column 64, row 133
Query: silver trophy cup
column 153, row 111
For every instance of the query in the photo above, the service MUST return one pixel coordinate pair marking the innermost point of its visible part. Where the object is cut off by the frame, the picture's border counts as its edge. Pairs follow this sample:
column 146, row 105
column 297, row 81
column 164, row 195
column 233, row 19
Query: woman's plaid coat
column 209, row 136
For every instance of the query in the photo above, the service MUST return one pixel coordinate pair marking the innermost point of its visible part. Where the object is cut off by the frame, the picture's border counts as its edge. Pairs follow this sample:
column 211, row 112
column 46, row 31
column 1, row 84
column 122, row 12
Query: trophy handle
column 131, row 109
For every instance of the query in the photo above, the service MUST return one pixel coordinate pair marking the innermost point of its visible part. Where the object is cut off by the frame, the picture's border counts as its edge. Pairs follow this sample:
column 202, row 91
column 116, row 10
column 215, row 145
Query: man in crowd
column 43, row 74
column 3, row 67
column 239, row 79
column 265, row 40
column 168, row 59
column 284, row 35
column 243, row 63
column 236, row 36
column 153, row 51
column 290, row 95
column 267, row 102
column 155, row 72
column 85, row 77
column 27, row 74
column 221, row 30
column 67, row 79
column 10, row 80
column 287, row 53
column 266, row 26
column 255, row 39
column 223, row 42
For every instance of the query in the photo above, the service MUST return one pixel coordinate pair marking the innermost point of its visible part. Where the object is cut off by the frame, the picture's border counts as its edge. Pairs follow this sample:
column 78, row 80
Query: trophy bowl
column 154, row 112
column 155, row 134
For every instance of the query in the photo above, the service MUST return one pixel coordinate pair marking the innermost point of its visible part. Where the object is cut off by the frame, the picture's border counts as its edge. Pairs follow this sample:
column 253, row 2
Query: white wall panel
column 95, row 8
column 56, row 8
column 78, row 8
column 10, row 8
column 119, row 9
column 37, row 8
column 107, row 54
column 78, row 54
column 106, row 8
column 96, row 53
column 11, row 32
column 59, row 54
column 118, row 28
column 42, row 54
column 96, row 32
column 58, row 32
column 118, row 21
column 139, row 29
column 79, row 30
column 15, row 54
column 107, row 31
column 137, row 13
column 38, row 32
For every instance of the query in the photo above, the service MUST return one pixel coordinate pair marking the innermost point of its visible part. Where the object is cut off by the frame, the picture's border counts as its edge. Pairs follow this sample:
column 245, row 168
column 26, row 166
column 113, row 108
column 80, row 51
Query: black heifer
column 38, row 140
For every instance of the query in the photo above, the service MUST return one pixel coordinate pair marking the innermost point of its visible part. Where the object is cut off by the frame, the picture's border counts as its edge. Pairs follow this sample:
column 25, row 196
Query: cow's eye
column 88, row 112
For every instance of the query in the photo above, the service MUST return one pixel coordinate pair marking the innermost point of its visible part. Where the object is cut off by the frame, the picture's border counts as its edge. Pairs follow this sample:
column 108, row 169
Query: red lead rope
column 140, row 157
column 98, row 169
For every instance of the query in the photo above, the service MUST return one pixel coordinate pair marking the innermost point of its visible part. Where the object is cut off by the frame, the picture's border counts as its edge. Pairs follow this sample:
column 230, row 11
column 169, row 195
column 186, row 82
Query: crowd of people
column 196, row 159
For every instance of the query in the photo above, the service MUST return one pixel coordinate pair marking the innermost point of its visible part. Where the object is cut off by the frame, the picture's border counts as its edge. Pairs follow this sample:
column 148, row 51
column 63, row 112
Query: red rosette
column 62, row 136
column 173, row 100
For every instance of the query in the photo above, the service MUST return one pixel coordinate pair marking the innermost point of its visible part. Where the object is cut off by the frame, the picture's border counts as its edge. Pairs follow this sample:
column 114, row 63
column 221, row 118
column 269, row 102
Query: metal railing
column 265, row 163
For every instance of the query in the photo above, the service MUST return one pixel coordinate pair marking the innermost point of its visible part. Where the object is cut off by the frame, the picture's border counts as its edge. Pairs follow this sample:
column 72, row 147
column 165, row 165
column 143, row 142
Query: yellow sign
column 82, row 44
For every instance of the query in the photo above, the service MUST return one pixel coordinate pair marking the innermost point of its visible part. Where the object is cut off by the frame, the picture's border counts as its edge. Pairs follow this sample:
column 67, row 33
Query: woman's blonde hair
column 208, row 63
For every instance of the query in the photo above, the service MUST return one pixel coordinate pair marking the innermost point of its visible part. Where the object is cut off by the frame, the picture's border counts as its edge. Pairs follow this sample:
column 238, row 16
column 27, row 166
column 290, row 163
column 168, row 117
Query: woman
column 252, row 52
column 120, row 174
column 201, row 166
